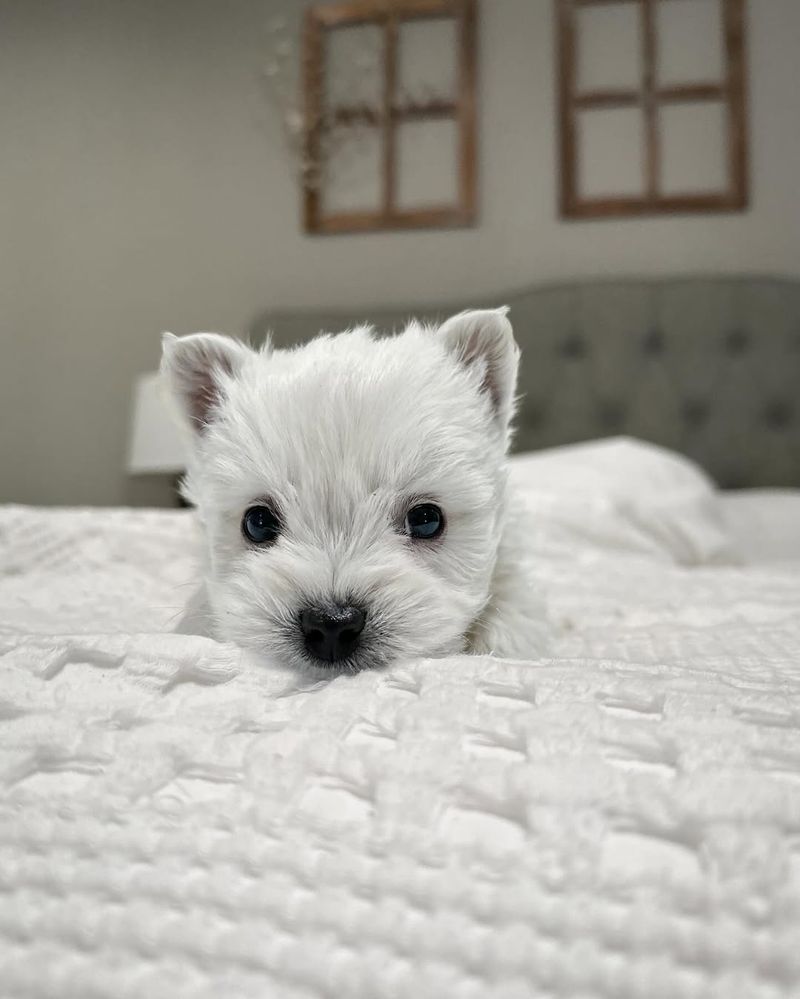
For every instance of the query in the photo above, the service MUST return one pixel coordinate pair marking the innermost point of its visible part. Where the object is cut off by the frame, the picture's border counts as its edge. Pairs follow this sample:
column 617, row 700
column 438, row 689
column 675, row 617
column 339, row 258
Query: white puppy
column 353, row 491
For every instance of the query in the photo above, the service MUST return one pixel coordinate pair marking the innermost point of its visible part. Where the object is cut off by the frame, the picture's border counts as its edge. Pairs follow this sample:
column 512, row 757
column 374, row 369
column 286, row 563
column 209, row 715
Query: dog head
column 352, row 490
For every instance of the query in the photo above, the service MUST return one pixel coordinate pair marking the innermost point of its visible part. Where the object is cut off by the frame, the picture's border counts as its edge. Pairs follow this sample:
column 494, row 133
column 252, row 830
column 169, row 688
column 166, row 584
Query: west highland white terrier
column 353, row 491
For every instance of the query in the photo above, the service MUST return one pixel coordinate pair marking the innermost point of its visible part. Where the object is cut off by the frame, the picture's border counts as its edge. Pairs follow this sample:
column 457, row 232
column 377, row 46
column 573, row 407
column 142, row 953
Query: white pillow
column 624, row 495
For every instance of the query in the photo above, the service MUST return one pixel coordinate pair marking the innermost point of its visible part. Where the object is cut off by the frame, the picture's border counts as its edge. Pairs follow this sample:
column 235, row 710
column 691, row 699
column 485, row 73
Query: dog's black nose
column 332, row 633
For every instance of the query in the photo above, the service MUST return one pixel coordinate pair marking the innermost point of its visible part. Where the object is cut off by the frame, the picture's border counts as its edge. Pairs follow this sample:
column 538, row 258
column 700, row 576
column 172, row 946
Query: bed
column 617, row 816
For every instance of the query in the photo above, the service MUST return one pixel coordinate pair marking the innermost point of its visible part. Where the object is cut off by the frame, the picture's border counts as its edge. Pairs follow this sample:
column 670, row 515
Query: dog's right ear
column 483, row 342
column 196, row 370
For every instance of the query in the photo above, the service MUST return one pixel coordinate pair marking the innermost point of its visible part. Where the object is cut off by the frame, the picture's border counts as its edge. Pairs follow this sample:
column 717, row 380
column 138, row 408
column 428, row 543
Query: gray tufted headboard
column 706, row 366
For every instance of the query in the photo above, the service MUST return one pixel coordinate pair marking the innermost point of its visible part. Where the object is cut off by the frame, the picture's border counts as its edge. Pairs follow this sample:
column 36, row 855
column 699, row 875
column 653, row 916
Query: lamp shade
column 156, row 444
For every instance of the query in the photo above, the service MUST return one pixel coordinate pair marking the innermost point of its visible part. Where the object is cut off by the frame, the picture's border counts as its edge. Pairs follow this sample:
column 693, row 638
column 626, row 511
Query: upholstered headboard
column 706, row 366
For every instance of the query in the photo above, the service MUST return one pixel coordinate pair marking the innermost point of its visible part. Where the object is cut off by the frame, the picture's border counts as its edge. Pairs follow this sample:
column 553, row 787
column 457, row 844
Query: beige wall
column 143, row 186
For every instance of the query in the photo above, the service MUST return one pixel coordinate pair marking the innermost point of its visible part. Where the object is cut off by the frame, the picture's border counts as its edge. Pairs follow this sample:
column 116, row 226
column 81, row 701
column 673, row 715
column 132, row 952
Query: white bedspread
column 619, row 819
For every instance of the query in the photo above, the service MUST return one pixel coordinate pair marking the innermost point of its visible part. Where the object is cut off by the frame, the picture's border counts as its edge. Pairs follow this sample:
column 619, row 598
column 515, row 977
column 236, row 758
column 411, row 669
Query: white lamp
column 156, row 444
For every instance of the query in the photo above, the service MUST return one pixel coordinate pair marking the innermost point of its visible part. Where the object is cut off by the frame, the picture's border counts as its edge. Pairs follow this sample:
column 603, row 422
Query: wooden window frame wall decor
column 650, row 97
column 389, row 15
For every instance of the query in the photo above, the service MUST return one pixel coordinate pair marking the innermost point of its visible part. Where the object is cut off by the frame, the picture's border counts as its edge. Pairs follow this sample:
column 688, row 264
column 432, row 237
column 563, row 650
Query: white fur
column 342, row 436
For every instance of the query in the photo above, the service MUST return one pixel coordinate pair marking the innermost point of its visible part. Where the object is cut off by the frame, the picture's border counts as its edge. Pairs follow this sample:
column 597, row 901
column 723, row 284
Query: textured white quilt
column 620, row 818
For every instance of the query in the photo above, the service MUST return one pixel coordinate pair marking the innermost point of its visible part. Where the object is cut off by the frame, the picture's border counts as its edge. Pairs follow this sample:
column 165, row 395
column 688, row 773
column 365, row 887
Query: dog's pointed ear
column 195, row 369
column 483, row 341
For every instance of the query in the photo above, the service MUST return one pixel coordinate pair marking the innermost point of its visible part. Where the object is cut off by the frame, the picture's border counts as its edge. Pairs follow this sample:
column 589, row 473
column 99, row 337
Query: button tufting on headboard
column 611, row 416
column 737, row 342
column 695, row 413
column 653, row 342
column 778, row 415
column 573, row 347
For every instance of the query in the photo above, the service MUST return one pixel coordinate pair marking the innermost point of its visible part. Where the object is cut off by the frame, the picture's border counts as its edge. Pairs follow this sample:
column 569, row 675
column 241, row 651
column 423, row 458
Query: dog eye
column 261, row 525
column 424, row 522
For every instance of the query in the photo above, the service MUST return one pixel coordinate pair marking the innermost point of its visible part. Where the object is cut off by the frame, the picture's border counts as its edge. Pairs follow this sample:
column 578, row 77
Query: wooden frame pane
column 652, row 97
column 390, row 113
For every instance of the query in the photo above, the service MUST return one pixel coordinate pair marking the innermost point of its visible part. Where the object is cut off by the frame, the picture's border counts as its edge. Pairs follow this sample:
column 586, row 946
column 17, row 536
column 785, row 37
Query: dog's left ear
column 196, row 370
column 484, row 342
